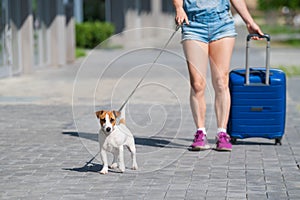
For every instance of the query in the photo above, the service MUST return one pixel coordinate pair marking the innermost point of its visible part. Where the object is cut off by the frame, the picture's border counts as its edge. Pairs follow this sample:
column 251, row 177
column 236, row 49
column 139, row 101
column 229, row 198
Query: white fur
column 114, row 142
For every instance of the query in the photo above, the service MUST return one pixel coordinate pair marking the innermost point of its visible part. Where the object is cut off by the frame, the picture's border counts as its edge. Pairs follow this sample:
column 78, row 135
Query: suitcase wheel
column 278, row 141
column 233, row 140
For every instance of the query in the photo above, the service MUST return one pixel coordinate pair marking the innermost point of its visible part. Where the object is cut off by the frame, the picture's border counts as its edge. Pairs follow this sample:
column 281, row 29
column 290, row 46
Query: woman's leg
column 197, row 59
column 196, row 53
column 220, row 53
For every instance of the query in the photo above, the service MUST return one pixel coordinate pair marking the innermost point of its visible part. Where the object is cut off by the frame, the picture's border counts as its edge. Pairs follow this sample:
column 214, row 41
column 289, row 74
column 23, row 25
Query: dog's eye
column 103, row 120
column 112, row 120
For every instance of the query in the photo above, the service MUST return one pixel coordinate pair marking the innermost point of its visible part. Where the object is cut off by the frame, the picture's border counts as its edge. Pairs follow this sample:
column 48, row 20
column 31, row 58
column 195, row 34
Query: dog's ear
column 98, row 113
column 117, row 113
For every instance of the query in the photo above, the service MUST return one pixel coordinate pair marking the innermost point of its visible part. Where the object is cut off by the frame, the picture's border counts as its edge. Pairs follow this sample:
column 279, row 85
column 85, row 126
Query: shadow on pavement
column 89, row 167
column 89, row 136
column 160, row 142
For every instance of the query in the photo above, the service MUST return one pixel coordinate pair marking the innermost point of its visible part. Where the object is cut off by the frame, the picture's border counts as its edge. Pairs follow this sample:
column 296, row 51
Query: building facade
column 127, row 14
column 39, row 33
column 34, row 34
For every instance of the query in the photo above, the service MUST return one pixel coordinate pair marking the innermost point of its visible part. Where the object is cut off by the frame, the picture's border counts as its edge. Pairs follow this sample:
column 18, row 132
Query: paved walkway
column 49, row 133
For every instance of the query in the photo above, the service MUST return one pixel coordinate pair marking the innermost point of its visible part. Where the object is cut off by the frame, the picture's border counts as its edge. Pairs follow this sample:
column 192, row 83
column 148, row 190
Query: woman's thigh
column 220, row 52
column 196, row 54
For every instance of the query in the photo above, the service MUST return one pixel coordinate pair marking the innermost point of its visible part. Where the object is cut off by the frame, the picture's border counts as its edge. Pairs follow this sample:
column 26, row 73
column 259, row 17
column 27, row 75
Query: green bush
column 91, row 34
column 276, row 4
column 79, row 52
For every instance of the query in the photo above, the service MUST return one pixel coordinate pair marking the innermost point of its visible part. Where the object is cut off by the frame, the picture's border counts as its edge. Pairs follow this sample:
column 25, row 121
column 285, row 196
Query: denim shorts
column 209, row 26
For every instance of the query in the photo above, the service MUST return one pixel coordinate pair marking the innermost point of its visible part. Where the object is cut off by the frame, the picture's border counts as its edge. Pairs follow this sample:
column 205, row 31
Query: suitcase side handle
column 268, row 38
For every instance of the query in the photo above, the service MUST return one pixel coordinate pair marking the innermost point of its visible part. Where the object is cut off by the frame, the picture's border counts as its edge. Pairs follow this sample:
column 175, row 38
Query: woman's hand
column 254, row 28
column 181, row 17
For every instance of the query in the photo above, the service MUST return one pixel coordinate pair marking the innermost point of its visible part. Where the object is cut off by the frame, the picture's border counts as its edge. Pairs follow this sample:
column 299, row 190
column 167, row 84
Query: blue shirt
column 206, row 5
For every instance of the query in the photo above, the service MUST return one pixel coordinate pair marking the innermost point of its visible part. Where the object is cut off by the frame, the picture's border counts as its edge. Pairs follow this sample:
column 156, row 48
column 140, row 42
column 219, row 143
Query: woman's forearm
column 241, row 7
column 178, row 4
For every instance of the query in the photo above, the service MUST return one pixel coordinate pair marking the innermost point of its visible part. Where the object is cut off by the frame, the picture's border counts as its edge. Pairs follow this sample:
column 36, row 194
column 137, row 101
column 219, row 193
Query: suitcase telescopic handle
column 268, row 38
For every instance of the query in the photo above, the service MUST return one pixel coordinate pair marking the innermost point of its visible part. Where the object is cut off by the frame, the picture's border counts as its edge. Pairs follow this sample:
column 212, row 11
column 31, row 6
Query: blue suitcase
column 258, row 101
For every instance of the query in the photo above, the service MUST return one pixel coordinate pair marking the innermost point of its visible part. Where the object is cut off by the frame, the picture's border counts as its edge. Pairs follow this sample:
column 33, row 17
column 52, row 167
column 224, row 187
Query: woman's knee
column 198, row 86
column 221, row 84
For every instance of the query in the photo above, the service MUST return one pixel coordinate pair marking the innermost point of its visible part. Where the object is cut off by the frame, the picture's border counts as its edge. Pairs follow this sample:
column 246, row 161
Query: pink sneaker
column 223, row 142
column 200, row 142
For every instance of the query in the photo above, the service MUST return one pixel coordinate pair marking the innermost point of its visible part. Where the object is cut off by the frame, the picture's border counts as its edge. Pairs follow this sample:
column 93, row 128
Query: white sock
column 203, row 130
column 221, row 130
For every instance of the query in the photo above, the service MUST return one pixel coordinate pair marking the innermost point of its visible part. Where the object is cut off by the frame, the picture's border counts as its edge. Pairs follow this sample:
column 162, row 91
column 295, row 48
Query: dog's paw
column 134, row 167
column 104, row 171
column 122, row 169
column 113, row 166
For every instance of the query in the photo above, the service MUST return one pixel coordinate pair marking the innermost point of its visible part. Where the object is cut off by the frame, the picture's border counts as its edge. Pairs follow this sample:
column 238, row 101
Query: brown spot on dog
column 111, row 116
column 117, row 113
column 122, row 121
column 99, row 113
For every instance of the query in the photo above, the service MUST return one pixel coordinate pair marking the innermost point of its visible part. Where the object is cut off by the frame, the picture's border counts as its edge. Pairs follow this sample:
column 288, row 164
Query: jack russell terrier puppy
column 113, row 136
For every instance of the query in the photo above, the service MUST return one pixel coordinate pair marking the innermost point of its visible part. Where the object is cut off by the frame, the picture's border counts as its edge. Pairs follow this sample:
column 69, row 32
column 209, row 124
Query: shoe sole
column 222, row 149
column 198, row 148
